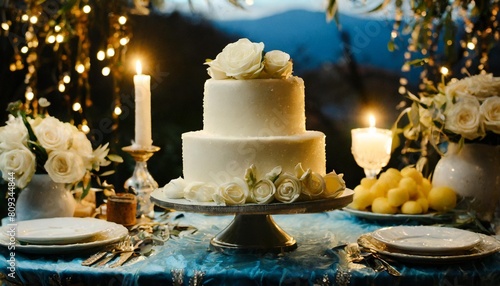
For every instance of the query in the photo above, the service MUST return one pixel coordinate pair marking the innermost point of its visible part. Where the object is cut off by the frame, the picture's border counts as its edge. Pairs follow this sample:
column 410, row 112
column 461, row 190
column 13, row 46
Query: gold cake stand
column 253, row 229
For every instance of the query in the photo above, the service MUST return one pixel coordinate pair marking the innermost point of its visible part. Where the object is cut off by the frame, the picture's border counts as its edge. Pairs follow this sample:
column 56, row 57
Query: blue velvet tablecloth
column 188, row 261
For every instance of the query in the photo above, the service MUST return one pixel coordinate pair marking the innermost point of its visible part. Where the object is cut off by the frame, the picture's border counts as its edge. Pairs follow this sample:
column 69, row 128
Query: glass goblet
column 371, row 148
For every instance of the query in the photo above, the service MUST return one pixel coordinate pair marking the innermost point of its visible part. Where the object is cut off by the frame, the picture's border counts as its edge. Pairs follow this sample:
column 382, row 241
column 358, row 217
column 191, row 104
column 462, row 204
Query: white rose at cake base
column 254, row 146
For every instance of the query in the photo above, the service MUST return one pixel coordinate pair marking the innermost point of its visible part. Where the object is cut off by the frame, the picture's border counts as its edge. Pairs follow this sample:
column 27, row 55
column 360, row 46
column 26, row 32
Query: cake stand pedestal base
column 253, row 233
column 253, row 229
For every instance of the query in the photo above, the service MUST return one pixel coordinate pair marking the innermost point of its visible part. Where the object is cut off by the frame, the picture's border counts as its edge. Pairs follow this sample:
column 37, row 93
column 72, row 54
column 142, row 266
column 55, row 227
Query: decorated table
column 320, row 259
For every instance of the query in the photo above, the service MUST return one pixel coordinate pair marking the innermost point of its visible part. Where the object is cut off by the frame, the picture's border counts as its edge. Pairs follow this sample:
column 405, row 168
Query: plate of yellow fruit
column 402, row 195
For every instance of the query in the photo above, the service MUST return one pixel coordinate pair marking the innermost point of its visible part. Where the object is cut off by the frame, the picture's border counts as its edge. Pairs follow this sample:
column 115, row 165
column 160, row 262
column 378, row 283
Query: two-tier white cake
column 255, row 121
column 254, row 146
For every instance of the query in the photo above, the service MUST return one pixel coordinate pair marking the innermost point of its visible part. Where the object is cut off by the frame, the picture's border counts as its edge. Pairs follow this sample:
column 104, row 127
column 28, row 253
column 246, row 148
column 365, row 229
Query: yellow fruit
column 390, row 179
column 394, row 173
column 442, row 199
column 397, row 196
column 355, row 206
column 381, row 205
column 410, row 172
column 411, row 207
column 367, row 183
column 424, row 204
column 426, row 186
column 362, row 197
column 409, row 185
column 379, row 189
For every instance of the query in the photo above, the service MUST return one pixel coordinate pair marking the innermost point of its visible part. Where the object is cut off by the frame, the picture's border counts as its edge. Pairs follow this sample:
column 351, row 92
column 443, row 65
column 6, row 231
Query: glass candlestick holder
column 142, row 183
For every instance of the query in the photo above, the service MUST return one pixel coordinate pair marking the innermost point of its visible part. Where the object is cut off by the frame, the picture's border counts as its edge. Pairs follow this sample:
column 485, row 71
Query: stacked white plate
column 60, row 235
column 431, row 243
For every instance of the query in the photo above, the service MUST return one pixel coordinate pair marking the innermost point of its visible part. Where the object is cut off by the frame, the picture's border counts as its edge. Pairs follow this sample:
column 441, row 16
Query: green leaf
column 115, row 158
column 331, row 11
column 86, row 189
column 38, row 150
column 107, row 173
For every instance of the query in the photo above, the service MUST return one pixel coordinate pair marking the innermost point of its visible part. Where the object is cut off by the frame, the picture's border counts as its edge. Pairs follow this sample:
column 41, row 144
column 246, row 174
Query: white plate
column 488, row 246
column 61, row 230
column 427, row 239
column 113, row 233
column 428, row 218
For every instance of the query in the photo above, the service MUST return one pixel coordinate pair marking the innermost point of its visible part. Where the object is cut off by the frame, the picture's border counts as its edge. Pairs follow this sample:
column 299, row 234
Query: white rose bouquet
column 466, row 110
column 45, row 145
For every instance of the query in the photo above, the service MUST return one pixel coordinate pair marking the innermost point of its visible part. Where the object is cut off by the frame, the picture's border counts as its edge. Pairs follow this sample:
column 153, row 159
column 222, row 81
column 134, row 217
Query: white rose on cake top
column 243, row 60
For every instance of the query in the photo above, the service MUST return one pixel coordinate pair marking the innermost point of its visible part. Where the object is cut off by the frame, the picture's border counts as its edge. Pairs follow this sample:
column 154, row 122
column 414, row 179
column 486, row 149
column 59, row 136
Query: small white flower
column 14, row 132
column 334, row 184
column 490, row 110
column 175, row 188
column 277, row 64
column 313, row 184
column 200, row 191
column 262, row 192
column 43, row 102
column 81, row 145
column 234, row 192
column 99, row 157
column 288, row 188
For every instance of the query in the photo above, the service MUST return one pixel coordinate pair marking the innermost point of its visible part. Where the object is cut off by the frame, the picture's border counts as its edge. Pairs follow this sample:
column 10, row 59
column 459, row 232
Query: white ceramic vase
column 473, row 171
column 43, row 198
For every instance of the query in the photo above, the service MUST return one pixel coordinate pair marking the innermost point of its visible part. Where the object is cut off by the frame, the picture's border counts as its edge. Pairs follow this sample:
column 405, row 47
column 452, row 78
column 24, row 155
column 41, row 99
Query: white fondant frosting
column 217, row 159
column 258, row 107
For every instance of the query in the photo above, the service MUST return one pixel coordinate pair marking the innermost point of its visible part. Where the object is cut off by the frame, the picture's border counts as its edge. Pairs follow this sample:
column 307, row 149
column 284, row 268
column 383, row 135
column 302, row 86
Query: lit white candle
column 142, row 108
column 371, row 147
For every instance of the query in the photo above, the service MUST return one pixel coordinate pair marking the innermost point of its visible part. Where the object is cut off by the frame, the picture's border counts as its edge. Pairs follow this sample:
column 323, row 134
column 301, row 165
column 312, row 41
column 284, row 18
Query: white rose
column 277, row 64
column 239, row 60
column 313, row 183
column 481, row 86
column 200, row 192
column 490, row 110
column 81, row 145
column 288, row 188
column 20, row 161
column 334, row 184
column 13, row 133
column 464, row 118
column 262, row 192
column 234, row 192
column 175, row 188
column 65, row 167
column 53, row 134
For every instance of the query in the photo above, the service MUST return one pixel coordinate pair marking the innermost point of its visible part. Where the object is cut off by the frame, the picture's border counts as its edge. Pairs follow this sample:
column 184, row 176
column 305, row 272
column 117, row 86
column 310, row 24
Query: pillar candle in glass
column 371, row 148
column 143, row 138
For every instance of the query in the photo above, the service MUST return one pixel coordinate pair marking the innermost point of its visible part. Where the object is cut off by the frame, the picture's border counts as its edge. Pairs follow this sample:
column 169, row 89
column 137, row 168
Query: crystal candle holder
column 371, row 148
column 142, row 183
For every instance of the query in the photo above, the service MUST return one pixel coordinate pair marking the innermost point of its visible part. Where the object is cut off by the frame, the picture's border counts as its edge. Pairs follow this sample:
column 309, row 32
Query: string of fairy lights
column 434, row 30
column 61, row 31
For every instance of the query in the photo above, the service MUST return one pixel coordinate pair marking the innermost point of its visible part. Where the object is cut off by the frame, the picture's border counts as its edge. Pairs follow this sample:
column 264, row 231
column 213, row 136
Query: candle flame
column 138, row 67
column 371, row 119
